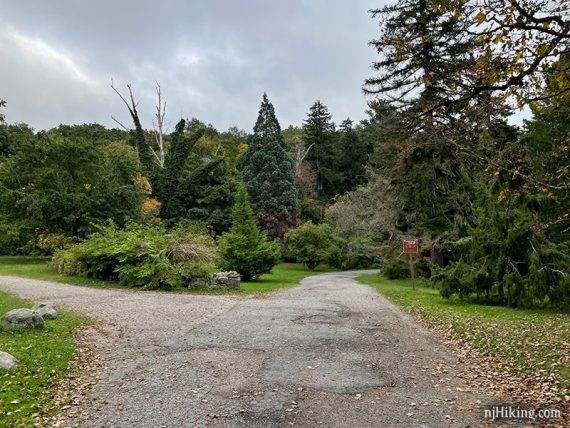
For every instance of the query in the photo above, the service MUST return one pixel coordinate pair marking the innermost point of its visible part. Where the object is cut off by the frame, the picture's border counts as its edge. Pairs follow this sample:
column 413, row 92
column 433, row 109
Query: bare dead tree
column 2, row 104
column 158, row 125
column 301, row 153
column 146, row 151
column 132, row 106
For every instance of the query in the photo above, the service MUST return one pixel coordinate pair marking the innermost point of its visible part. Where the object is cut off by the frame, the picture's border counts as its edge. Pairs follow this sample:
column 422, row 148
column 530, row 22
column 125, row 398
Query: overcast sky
column 213, row 58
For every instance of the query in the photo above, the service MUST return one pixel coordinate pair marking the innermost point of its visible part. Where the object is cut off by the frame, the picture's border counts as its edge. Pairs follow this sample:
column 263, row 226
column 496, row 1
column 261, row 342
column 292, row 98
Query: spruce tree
column 245, row 248
column 353, row 157
column 267, row 169
column 319, row 134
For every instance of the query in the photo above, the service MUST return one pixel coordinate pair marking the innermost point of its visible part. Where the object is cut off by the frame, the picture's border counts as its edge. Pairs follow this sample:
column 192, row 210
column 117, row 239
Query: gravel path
column 327, row 353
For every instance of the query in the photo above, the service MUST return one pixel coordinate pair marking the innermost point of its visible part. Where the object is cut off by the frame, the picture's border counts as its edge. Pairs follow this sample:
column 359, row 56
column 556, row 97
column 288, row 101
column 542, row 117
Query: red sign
column 411, row 246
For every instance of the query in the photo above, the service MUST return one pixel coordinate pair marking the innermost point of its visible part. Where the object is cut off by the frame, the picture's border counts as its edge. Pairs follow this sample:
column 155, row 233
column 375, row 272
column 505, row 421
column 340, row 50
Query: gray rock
column 46, row 310
column 229, row 279
column 22, row 318
column 7, row 361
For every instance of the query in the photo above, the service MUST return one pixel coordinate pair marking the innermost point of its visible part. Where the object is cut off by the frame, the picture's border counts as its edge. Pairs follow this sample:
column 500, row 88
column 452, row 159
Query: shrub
column 399, row 268
column 141, row 256
column 354, row 253
column 48, row 243
column 310, row 244
column 509, row 259
column 245, row 248
column 15, row 238
column 395, row 269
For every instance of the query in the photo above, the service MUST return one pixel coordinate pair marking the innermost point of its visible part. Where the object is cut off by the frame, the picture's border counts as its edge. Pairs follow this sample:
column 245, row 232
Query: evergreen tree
column 208, row 190
column 267, row 169
column 426, row 48
column 353, row 157
column 319, row 134
column 192, row 186
column 547, row 141
column 166, row 187
column 245, row 248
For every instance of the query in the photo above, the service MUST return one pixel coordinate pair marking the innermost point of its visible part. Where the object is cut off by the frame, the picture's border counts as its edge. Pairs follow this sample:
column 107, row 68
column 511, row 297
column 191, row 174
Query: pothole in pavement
column 340, row 377
column 322, row 318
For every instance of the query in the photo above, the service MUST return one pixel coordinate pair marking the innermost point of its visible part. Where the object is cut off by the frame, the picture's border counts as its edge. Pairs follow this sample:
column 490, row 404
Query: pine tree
column 319, row 134
column 245, row 248
column 267, row 169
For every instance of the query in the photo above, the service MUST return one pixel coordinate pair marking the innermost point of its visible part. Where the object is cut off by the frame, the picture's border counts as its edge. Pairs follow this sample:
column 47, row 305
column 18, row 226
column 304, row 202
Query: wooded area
column 436, row 158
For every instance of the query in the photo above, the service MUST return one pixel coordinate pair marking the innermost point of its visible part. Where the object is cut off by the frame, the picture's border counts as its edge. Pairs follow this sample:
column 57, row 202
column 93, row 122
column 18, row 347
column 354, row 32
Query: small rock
column 46, row 310
column 7, row 361
column 22, row 318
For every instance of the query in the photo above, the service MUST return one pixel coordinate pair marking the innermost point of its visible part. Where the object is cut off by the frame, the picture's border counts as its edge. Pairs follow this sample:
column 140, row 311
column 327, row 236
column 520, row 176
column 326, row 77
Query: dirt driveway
column 327, row 353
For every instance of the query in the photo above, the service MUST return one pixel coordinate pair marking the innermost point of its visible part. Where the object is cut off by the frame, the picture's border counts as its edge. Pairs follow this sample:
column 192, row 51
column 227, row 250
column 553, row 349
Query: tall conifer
column 267, row 169
column 319, row 134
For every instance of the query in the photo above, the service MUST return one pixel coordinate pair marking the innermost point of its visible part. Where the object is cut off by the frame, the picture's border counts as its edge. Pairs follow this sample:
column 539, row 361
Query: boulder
column 46, row 310
column 229, row 279
column 22, row 318
column 7, row 361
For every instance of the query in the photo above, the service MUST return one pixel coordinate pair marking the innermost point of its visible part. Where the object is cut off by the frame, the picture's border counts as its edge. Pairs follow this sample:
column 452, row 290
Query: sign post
column 410, row 247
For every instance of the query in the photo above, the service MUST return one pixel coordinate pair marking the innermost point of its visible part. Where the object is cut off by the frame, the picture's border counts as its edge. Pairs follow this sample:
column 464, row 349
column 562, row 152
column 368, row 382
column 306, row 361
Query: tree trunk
column 436, row 256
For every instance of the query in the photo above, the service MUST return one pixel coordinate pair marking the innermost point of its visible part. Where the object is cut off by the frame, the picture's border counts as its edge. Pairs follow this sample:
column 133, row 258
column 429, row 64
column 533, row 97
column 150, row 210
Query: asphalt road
column 328, row 353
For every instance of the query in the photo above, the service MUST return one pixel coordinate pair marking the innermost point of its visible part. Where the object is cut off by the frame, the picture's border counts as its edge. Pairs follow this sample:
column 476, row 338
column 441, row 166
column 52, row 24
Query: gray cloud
column 213, row 58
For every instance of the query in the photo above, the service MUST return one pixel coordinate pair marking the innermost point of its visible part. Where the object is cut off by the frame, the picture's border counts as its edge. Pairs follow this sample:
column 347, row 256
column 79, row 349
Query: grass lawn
column 283, row 275
column 525, row 341
column 37, row 268
column 44, row 357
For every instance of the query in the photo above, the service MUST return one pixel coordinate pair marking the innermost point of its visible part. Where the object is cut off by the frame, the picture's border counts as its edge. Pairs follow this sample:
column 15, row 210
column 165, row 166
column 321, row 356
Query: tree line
column 436, row 158
column 58, row 185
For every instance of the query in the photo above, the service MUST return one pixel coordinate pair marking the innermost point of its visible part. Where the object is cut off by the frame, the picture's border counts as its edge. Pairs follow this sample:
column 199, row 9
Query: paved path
column 327, row 353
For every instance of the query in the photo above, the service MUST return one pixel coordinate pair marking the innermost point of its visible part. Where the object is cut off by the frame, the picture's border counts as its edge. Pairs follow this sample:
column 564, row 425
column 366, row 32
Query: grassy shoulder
column 27, row 391
column 37, row 268
column 532, row 342
column 283, row 275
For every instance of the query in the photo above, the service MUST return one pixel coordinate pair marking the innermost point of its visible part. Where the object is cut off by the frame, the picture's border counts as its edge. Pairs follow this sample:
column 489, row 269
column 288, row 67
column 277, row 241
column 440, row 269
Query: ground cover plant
column 27, row 391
